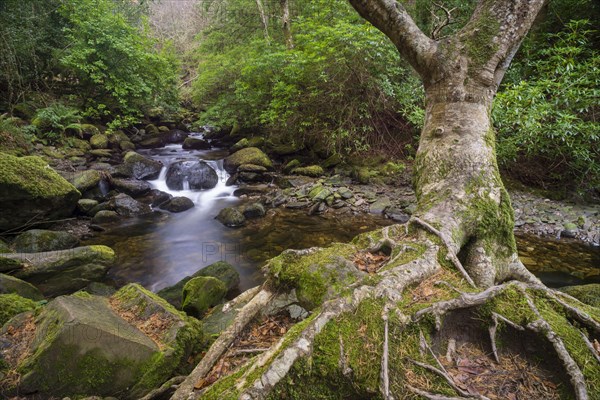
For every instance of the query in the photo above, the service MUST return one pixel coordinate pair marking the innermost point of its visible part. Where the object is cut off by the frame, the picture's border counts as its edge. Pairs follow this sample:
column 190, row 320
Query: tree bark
column 286, row 24
column 264, row 19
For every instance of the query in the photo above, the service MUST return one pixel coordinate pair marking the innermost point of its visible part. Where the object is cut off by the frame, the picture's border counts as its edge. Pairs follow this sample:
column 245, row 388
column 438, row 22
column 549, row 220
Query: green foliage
column 51, row 122
column 12, row 135
column 551, row 119
column 341, row 82
column 115, row 62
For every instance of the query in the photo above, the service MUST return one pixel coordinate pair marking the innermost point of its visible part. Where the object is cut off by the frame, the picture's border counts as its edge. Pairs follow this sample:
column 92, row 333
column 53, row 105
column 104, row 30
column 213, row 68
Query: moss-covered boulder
column 231, row 217
column 241, row 144
column 87, row 345
column 589, row 294
column 221, row 270
column 202, row 293
column 292, row 165
column 11, row 285
column 249, row 155
column 13, row 304
column 154, row 141
column 32, row 191
column 99, row 141
column 132, row 187
column 253, row 210
column 127, row 206
column 316, row 274
column 64, row 271
column 88, row 130
column 139, row 167
column 39, row 240
column 312, row 171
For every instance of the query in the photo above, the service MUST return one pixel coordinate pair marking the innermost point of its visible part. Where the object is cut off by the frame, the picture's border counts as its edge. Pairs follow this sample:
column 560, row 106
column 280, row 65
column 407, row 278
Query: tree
column 366, row 337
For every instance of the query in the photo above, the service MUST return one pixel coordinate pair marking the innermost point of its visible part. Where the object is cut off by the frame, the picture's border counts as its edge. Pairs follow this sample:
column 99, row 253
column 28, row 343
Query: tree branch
column 391, row 18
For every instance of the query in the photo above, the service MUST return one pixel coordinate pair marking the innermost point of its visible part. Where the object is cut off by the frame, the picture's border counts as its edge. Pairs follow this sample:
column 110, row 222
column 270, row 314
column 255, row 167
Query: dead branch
column 441, row 24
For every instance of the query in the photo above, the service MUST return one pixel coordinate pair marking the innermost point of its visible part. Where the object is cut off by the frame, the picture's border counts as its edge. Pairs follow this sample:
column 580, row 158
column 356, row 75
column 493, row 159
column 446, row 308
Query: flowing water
column 159, row 249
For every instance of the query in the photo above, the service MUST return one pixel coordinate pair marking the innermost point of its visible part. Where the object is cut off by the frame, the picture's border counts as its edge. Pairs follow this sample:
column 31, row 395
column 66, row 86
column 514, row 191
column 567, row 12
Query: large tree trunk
column 458, row 185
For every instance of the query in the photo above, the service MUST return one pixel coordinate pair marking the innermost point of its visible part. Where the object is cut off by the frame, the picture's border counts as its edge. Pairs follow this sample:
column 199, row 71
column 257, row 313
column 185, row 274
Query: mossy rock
column 221, row 270
column 89, row 130
column 126, row 146
column 316, row 274
column 39, row 240
column 139, row 167
column 259, row 169
column 249, row 155
column 99, row 141
column 13, row 304
column 362, row 175
column 11, row 285
column 285, row 149
column 332, row 161
column 241, row 144
column 201, row 293
column 319, row 193
column 151, row 129
column 253, row 210
column 231, row 217
column 191, row 143
column 312, row 170
column 154, row 141
column 116, row 137
column 224, row 272
column 84, row 206
column 64, row 271
column 106, row 217
column 32, row 191
column 290, row 166
column 589, row 294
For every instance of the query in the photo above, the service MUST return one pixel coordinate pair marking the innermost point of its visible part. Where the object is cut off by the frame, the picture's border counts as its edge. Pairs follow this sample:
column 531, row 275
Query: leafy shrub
column 550, row 120
column 52, row 122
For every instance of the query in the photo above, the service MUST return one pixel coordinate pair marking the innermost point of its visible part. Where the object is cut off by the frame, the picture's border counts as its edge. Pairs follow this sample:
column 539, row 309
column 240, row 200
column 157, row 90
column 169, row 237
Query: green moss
column 589, row 294
column 32, row 176
column 317, row 275
column 479, row 41
column 311, row 170
column 201, row 293
column 13, row 304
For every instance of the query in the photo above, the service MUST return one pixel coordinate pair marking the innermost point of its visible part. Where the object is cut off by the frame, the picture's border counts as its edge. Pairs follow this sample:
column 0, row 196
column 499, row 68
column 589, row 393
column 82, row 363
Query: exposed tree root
column 264, row 372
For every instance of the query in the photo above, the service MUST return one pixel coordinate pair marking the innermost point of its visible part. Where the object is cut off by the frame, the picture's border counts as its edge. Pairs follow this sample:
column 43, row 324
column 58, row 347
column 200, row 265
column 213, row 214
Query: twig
column 590, row 346
column 492, row 330
column 450, row 256
column 441, row 25
column 432, row 396
column 385, row 379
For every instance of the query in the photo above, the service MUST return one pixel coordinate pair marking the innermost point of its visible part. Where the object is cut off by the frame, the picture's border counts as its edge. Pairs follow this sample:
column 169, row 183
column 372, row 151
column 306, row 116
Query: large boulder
column 64, row 271
column 154, row 141
column 38, row 240
column 85, row 345
column 32, row 191
column 11, row 285
column 221, row 270
column 177, row 136
column 137, row 166
column 201, row 293
column 248, row 155
column 99, row 141
column 198, row 174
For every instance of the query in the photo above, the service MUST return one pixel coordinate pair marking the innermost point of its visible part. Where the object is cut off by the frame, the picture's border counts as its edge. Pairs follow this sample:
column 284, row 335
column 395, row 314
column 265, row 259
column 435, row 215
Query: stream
column 159, row 249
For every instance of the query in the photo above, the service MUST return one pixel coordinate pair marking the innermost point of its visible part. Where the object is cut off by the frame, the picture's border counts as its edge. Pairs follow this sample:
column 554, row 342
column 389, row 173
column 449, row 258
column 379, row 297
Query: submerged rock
column 201, row 293
column 249, row 155
column 198, row 174
column 87, row 345
column 31, row 191
column 38, row 240
column 65, row 271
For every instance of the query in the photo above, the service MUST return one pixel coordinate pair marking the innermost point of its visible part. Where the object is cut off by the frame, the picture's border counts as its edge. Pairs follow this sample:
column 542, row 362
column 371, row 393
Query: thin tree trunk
column 287, row 28
column 264, row 19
